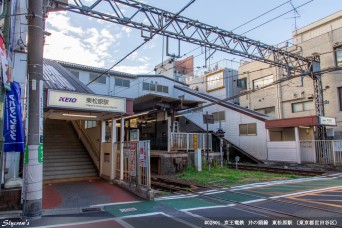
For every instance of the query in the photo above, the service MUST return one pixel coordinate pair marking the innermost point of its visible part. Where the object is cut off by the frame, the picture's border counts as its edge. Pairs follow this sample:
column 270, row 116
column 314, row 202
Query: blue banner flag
column 13, row 124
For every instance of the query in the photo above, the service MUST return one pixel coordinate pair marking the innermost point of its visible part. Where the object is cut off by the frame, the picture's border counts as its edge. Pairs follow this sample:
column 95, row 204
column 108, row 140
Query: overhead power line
column 277, row 17
column 142, row 44
column 251, row 20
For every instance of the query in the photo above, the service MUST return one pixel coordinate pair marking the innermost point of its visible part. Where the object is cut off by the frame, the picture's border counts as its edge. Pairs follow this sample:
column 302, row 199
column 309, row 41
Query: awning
column 301, row 121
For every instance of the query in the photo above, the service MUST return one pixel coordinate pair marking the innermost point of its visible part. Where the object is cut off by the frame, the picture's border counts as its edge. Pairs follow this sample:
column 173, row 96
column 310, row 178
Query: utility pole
column 7, row 25
column 33, row 167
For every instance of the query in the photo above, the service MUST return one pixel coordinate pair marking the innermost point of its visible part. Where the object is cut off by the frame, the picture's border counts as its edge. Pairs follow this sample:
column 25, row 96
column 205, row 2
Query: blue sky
column 85, row 40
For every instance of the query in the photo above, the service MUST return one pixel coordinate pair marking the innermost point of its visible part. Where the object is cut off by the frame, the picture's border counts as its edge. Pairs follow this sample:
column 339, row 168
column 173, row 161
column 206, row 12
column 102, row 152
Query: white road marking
column 112, row 204
column 180, row 220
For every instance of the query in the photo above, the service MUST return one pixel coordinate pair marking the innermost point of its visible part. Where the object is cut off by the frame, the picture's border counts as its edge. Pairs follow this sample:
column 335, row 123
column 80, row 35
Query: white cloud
column 141, row 69
column 127, row 30
column 88, row 46
column 61, row 23
column 133, row 56
column 70, row 49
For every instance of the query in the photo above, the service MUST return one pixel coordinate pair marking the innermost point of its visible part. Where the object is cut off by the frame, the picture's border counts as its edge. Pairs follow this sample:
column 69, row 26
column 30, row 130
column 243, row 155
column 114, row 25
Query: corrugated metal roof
column 226, row 104
column 94, row 69
column 58, row 78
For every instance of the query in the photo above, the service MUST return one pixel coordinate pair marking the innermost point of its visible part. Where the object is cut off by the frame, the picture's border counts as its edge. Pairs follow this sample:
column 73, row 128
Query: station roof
column 95, row 69
column 56, row 77
column 225, row 104
column 154, row 101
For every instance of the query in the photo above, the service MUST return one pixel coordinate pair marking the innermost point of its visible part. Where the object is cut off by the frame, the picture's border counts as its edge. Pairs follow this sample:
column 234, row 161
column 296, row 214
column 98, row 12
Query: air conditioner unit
column 310, row 97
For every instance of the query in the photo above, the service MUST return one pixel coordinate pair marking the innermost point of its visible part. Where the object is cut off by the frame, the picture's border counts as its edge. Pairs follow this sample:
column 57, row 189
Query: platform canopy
column 154, row 101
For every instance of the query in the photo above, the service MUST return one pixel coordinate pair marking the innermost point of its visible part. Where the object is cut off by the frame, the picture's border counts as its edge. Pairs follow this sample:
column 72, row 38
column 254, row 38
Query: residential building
column 295, row 97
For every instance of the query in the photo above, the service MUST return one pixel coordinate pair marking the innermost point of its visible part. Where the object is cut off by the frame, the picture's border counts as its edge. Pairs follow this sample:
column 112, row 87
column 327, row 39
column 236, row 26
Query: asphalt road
column 309, row 202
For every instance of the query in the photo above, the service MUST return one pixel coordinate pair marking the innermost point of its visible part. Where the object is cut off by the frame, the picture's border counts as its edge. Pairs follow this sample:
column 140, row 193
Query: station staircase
column 205, row 97
column 65, row 156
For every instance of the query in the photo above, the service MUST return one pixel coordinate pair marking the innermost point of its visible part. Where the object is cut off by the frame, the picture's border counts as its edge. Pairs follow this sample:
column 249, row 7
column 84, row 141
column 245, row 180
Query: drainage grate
column 91, row 209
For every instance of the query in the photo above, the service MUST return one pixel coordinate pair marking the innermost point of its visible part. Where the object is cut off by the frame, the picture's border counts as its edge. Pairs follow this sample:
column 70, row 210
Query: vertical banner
column 132, row 159
column 143, row 149
column 13, row 125
column 41, row 122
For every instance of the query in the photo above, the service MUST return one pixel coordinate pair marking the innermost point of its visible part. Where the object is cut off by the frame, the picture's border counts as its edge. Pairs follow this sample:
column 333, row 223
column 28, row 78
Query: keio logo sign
column 67, row 99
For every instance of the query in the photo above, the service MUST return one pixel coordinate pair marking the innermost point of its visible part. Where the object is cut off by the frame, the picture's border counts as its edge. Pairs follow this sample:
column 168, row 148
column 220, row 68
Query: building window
column 90, row 124
column 270, row 111
column 242, row 83
column 100, row 80
column 76, row 74
column 219, row 116
column 155, row 87
column 122, row 82
column 302, row 106
column 340, row 97
column 261, row 82
column 248, row 129
column 338, row 55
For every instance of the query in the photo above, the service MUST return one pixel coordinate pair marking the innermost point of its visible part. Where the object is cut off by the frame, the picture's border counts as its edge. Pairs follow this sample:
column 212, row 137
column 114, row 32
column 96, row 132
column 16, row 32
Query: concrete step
column 61, row 156
column 68, row 159
column 64, row 152
column 70, row 171
column 63, row 164
column 67, row 176
column 74, row 167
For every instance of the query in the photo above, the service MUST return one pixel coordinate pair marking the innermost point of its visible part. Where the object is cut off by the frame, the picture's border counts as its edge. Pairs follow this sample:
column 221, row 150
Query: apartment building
column 295, row 98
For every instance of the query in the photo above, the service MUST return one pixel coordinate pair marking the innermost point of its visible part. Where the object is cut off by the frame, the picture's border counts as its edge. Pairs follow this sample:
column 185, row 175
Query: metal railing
column 87, row 142
column 136, row 163
column 321, row 151
column 190, row 141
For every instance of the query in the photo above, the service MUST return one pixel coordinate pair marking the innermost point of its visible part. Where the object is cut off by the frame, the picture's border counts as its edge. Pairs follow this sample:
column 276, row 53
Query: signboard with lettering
column 326, row 121
column 13, row 131
column 132, row 159
column 215, row 80
column 208, row 119
column 81, row 101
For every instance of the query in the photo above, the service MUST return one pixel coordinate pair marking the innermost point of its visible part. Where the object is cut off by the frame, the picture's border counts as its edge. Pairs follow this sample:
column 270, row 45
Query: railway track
column 171, row 186
column 277, row 170
column 180, row 187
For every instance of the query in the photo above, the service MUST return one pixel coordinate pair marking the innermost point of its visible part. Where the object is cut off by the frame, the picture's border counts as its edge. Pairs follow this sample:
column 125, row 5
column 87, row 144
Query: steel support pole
column 33, row 165
column 122, row 139
column 207, row 137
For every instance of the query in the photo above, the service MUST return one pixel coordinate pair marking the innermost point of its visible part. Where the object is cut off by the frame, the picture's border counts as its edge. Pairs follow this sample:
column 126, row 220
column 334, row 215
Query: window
column 340, row 97
column 338, row 55
column 122, row 82
column 100, row 80
column 242, row 83
column 248, row 129
column 146, row 86
column 90, row 124
column 219, row 116
column 75, row 73
column 302, row 106
column 270, row 111
column 155, row 87
column 261, row 82
column 165, row 89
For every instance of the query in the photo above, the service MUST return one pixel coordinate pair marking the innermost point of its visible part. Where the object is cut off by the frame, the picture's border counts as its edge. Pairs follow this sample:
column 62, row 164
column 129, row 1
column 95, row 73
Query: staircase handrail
column 87, row 142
